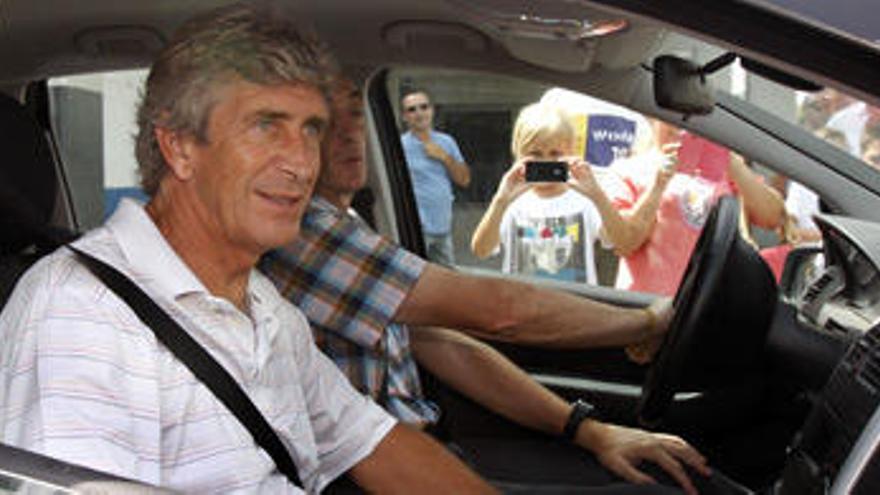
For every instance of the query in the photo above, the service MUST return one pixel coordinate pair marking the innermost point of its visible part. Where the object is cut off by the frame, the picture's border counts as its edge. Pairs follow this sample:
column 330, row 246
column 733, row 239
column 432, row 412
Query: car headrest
column 28, row 185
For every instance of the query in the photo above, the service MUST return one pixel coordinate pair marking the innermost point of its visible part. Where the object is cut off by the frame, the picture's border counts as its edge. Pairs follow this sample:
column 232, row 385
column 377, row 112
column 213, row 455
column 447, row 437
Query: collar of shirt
column 321, row 204
column 432, row 135
column 145, row 248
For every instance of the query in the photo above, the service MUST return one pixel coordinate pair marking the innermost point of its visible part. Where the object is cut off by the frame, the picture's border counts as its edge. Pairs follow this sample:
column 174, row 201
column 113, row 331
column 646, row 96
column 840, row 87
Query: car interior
column 776, row 381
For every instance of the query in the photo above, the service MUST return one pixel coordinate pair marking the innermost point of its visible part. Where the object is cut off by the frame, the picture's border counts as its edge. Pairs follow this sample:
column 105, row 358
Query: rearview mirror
column 680, row 85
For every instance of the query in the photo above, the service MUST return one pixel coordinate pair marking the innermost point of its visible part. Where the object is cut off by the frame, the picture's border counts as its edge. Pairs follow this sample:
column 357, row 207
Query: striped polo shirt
column 83, row 380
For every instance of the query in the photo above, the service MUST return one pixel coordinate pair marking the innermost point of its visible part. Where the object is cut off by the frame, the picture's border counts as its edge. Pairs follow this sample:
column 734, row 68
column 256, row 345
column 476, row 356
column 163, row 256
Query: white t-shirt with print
column 551, row 237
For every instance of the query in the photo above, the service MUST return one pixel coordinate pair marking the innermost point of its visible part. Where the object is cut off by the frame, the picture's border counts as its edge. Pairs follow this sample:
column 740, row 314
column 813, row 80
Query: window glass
column 12, row 484
column 94, row 121
column 848, row 123
column 560, row 231
column 831, row 115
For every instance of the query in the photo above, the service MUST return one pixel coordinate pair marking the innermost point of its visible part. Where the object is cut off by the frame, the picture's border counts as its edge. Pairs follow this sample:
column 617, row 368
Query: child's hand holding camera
column 513, row 183
column 582, row 179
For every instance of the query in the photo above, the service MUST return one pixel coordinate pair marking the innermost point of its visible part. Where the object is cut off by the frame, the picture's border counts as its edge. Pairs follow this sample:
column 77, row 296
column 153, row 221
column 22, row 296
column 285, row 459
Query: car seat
column 28, row 191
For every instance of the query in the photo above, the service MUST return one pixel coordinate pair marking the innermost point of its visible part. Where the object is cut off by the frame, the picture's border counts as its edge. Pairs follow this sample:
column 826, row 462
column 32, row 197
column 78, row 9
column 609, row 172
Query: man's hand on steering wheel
column 662, row 310
column 660, row 315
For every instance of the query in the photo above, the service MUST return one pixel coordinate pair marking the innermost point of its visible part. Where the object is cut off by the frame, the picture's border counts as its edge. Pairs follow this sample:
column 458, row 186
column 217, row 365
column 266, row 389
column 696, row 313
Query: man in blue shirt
column 435, row 163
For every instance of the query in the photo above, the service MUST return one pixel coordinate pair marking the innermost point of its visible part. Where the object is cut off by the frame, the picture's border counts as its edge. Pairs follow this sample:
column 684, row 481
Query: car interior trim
column 588, row 385
column 863, row 451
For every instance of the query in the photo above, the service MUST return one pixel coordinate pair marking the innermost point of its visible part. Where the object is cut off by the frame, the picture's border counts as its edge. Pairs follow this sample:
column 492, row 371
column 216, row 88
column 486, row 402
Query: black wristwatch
column 580, row 410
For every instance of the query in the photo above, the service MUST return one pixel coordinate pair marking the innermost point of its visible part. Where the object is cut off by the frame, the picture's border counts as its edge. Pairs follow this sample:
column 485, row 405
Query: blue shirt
column 431, row 183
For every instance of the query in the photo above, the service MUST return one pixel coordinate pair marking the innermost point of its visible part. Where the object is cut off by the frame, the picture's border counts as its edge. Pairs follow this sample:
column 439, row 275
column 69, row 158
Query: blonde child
column 549, row 228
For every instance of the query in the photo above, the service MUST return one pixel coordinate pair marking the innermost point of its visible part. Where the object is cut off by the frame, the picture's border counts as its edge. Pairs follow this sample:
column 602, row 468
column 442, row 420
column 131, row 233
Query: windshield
column 831, row 115
column 843, row 121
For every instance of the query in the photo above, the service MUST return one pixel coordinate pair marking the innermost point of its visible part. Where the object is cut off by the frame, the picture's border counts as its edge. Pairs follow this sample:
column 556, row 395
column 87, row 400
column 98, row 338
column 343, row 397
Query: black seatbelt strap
column 197, row 360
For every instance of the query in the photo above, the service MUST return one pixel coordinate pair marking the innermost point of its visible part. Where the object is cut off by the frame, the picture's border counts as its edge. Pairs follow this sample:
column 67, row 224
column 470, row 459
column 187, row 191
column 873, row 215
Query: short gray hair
column 233, row 43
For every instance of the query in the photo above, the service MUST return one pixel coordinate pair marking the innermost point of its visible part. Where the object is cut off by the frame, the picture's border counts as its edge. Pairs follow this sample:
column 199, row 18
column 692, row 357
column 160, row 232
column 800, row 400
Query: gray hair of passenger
column 236, row 43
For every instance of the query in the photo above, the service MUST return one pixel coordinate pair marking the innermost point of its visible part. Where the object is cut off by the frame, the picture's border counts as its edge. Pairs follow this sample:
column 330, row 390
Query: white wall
column 122, row 91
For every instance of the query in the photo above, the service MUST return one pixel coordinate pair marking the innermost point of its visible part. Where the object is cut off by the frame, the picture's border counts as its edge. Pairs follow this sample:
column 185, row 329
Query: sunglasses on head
column 420, row 106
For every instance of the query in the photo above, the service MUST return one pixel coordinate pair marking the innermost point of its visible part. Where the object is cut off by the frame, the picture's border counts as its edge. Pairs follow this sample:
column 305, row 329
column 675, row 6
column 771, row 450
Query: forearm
column 486, row 236
column 557, row 319
column 487, row 377
column 512, row 311
column 458, row 171
column 408, row 461
column 764, row 205
column 807, row 235
column 622, row 232
column 642, row 218
column 625, row 233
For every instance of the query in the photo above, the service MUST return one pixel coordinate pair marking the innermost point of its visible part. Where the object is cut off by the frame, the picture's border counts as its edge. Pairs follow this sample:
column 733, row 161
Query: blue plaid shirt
column 349, row 282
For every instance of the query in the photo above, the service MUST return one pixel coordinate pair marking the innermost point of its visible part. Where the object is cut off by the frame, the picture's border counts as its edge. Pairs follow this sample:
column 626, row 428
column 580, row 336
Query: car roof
column 56, row 37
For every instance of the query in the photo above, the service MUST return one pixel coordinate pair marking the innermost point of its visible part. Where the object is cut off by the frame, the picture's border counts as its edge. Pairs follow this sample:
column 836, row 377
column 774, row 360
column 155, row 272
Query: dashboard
column 835, row 291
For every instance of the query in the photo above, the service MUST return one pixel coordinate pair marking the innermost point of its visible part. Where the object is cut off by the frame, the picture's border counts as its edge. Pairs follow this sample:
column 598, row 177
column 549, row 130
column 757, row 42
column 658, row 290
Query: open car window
column 552, row 239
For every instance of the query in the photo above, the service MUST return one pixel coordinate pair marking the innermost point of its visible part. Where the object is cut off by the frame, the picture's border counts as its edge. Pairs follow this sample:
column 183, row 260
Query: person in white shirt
column 548, row 229
column 850, row 121
column 853, row 120
column 230, row 130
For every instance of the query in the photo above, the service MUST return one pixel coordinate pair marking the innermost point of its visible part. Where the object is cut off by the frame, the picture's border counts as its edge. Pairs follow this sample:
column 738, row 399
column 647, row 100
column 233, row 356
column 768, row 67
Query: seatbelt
column 197, row 360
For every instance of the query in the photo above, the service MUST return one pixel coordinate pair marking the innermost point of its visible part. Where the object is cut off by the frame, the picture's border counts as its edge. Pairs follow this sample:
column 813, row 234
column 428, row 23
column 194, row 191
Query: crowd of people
column 643, row 189
column 648, row 206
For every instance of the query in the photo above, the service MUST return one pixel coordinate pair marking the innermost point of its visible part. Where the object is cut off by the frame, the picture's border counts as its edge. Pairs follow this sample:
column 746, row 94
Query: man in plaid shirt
column 349, row 282
column 362, row 294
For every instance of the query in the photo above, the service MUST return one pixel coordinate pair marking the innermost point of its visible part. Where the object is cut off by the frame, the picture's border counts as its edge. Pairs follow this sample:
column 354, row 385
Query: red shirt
column 658, row 265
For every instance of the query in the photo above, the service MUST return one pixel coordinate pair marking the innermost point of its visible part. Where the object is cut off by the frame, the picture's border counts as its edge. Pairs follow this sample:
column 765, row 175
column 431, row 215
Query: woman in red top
column 682, row 197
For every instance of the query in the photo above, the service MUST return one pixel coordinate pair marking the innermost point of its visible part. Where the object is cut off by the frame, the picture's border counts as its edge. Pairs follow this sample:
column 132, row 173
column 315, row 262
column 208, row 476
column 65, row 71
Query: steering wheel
column 721, row 315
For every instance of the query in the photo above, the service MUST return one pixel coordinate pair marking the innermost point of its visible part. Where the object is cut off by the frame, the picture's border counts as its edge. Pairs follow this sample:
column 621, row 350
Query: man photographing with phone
column 549, row 210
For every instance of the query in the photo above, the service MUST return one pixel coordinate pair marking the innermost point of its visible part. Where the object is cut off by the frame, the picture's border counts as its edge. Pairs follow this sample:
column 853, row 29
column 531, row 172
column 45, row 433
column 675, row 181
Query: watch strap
column 580, row 410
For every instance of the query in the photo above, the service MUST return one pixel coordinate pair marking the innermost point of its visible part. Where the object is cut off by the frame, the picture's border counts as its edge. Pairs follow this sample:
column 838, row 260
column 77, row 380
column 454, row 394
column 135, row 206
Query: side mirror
column 680, row 85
